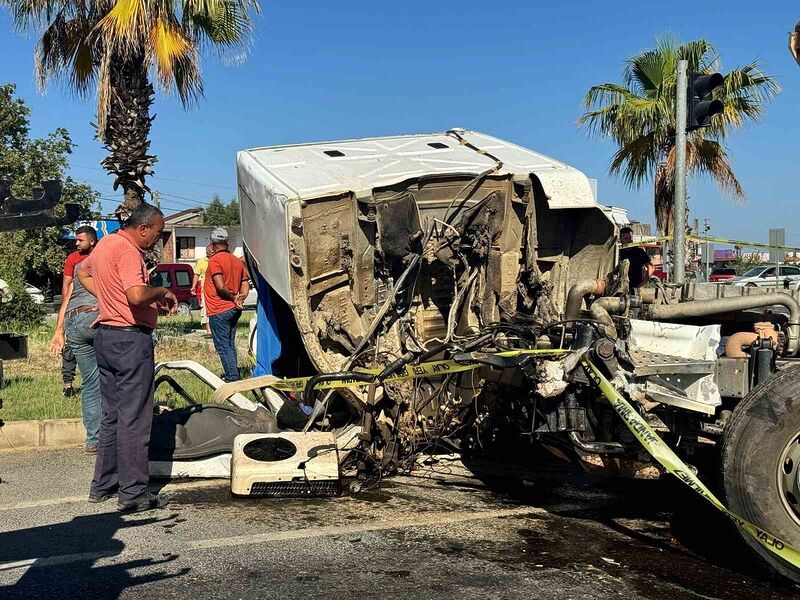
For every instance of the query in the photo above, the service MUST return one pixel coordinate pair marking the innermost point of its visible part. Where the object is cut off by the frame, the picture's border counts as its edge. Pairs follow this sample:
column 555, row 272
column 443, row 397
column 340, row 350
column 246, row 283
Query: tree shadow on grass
column 60, row 560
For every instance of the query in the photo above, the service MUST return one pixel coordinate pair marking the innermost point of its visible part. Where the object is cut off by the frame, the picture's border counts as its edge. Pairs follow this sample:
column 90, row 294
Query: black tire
column 761, row 428
column 750, row 285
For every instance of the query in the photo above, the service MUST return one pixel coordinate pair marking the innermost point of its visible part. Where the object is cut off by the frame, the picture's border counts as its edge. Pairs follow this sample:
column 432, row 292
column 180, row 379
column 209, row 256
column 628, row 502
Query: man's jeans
column 223, row 332
column 80, row 337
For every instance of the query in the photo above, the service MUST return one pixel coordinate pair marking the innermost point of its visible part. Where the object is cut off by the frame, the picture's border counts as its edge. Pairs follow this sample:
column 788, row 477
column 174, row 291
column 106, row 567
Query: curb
column 54, row 433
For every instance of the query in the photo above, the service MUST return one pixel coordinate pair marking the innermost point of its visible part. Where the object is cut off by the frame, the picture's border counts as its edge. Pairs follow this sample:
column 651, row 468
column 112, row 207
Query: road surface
column 442, row 533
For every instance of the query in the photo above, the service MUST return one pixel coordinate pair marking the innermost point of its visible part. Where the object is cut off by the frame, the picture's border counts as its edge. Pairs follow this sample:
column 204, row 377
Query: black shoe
column 146, row 501
column 101, row 497
column 69, row 391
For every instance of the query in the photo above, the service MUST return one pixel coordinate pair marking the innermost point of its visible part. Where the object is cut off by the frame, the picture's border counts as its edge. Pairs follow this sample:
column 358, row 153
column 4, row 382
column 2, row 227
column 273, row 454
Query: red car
column 721, row 274
column 177, row 277
column 659, row 272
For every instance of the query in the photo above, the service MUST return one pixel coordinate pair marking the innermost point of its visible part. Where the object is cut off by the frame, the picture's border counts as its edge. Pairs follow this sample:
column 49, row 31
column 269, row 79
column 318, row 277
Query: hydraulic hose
column 578, row 292
column 702, row 308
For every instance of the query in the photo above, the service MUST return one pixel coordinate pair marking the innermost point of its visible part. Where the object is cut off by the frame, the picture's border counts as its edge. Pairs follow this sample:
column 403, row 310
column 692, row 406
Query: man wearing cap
column 225, row 288
column 116, row 274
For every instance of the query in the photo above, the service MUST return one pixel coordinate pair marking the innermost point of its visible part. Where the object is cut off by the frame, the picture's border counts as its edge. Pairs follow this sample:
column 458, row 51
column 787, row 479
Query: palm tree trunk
column 663, row 199
column 127, row 130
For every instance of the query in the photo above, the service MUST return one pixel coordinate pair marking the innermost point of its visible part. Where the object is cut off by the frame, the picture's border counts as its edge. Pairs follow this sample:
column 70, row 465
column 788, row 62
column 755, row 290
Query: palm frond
column 125, row 26
column 636, row 161
column 710, row 158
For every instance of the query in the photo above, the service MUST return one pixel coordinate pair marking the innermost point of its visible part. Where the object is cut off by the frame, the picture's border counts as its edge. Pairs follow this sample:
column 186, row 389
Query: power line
column 159, row 178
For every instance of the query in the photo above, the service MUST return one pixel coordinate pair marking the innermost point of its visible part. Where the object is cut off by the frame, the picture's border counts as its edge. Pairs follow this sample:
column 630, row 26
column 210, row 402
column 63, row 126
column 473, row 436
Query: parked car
column 769, row 276
column 177, row 277
column 721, row 274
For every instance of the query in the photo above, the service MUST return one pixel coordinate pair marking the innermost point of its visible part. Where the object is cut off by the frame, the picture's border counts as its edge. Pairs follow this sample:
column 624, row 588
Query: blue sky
column 516, row 70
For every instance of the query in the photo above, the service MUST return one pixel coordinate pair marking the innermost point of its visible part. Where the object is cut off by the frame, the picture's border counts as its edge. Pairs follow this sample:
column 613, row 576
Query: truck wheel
column 761, row 463
column 184, row 309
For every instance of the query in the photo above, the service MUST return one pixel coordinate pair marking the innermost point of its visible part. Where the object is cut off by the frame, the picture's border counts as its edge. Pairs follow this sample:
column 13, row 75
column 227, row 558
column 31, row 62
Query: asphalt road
column 438, row 534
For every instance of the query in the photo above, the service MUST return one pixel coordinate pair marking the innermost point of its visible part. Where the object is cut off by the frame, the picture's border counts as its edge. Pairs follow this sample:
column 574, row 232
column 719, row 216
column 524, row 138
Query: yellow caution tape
column 659, row 450
column 654, row 445
column 428, row 369
column 717, row 240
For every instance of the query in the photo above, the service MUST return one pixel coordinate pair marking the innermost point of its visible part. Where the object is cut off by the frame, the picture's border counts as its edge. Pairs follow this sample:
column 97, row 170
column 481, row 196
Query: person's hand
column 57, row 343
column 239, row 301
column 193, row 292
column 169, row 303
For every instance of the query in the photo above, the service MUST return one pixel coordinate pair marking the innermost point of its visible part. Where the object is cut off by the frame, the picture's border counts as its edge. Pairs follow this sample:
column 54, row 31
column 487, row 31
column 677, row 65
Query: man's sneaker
column 95, row 499
column 147, row 501
column 69, row 391
column 90, row 449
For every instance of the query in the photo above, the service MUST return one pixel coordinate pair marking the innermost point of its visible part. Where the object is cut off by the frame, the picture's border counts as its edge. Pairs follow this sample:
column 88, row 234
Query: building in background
column 185, row 237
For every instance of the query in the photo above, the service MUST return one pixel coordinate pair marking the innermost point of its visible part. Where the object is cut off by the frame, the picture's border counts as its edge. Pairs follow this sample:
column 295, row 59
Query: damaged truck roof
column 306, row 171
column 274, row 181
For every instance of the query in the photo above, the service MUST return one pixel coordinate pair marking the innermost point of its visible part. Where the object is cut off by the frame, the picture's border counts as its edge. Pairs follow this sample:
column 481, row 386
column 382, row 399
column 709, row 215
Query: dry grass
column 34, row 386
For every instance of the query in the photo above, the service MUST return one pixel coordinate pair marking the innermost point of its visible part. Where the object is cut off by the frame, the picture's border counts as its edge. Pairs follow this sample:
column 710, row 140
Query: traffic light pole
column 679, row 205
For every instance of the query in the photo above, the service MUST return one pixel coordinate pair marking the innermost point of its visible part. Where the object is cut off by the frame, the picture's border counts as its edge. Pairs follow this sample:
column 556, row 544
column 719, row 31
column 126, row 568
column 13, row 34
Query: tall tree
column 117, row 47
column 25, row 162
column 639, row 116
column 217, row 213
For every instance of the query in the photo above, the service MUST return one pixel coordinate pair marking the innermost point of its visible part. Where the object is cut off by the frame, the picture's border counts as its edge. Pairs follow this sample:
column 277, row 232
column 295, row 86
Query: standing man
column 197, row 285
column 115, row 272
column 226, row 287
column 75, row 317
column 640, row 268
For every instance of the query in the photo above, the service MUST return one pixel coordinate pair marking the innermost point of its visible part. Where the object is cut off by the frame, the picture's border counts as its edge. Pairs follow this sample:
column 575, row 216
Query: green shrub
column 21, row 312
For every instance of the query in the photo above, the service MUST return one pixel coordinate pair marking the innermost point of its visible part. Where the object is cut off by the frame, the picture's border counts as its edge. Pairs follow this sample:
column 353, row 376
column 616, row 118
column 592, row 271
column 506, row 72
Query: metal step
column 653, row 363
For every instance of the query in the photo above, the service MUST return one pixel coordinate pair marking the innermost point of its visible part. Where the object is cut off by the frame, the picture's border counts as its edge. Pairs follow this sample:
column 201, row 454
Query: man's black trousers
column 125, row 359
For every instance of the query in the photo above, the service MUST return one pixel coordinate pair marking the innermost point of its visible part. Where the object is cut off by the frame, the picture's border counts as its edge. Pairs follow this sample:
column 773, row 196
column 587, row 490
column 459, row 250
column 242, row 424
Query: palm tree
column 116, row 47
column 639, row 116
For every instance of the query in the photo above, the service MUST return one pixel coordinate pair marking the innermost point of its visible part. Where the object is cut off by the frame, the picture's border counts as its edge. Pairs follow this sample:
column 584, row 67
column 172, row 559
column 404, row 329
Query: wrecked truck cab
column 385, row 254
column 333, row 226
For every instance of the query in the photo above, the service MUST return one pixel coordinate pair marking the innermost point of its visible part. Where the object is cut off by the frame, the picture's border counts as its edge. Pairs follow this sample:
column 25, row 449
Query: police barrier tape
column 428, row 369
column 704, row 239
column 654, row 445
column 659, row 450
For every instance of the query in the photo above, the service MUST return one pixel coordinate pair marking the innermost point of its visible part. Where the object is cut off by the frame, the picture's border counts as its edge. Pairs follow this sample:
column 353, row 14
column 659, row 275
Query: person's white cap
column 220, row 234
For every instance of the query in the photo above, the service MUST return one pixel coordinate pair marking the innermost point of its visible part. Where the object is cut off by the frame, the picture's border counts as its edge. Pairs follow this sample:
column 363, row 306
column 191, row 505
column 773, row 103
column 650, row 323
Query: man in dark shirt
column 640, row 266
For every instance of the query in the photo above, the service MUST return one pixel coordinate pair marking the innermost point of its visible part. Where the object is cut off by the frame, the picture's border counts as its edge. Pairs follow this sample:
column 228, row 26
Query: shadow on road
column 655, row 530
column 59, row 561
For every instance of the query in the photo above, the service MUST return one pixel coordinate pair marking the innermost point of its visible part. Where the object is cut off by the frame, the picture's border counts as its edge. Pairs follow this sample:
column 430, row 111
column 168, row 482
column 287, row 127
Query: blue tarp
column 268, row 344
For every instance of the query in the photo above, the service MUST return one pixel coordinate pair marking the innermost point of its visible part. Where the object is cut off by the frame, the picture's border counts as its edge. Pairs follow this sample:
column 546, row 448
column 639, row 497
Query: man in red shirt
column 116, row 273
column 225, row 288
column 78, row 312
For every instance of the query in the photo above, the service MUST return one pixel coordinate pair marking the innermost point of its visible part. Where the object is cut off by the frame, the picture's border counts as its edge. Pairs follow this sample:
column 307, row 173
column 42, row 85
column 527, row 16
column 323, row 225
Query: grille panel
column 294, row 489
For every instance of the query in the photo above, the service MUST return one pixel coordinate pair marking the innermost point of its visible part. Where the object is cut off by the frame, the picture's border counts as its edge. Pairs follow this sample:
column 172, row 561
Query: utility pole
column 679, row 205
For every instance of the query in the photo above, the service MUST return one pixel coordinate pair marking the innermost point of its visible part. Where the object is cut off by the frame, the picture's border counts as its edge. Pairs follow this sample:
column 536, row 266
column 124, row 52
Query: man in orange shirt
column 225, row 288
column 116, row 274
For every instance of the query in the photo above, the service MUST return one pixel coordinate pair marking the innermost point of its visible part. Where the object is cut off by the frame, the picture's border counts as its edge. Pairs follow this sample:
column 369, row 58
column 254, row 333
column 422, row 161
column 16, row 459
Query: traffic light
column 701, row 106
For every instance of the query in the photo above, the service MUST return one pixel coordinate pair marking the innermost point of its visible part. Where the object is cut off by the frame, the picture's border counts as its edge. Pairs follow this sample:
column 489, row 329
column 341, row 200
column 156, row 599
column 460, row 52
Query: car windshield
column 755, row 272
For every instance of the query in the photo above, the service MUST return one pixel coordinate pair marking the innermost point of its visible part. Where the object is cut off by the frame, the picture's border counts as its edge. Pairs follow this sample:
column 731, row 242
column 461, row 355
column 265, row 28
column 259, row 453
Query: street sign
column 777, row 237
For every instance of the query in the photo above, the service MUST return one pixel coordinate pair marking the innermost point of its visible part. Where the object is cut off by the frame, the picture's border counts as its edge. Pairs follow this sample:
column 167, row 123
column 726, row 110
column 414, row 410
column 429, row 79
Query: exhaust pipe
column 578, row 292
column 702, row 308
column 602, row 309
